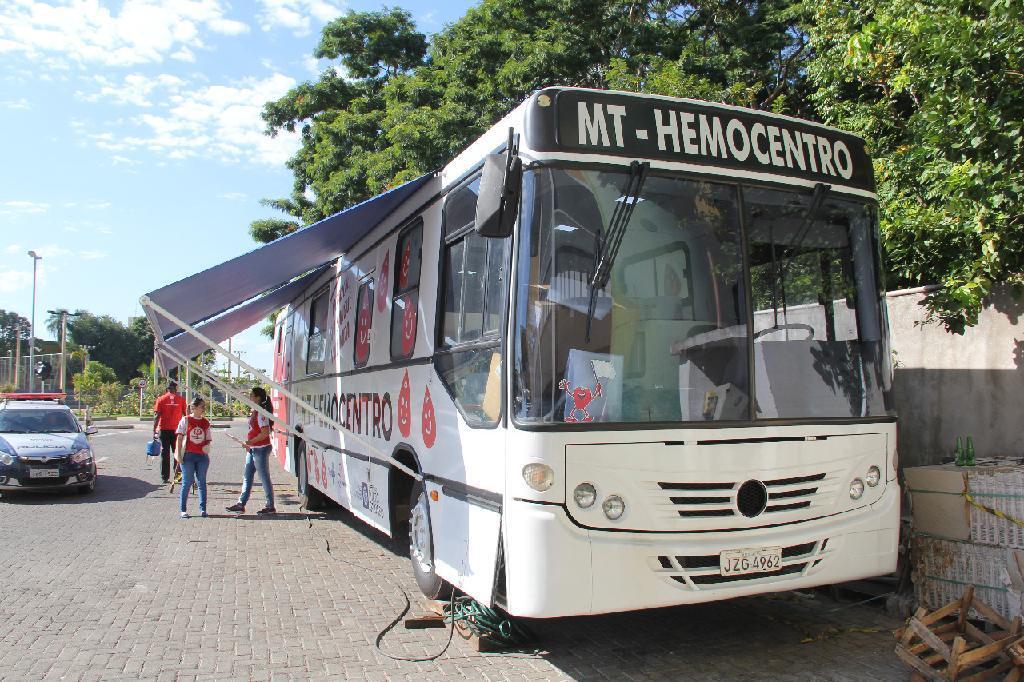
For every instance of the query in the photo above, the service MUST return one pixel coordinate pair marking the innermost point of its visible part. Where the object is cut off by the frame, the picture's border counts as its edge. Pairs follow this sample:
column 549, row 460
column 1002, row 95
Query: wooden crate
column 945, row 645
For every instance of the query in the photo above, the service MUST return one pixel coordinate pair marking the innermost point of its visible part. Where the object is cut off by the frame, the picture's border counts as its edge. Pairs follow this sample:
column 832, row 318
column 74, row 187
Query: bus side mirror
column 498, row 201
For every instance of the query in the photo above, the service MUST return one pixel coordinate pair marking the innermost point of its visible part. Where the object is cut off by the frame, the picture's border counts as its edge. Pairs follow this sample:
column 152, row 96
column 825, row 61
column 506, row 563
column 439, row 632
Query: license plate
column 43, row 473
column 743, row 561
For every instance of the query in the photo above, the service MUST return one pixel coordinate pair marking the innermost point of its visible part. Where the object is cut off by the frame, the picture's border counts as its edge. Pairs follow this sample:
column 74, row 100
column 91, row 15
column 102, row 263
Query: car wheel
column 86, row 489
column 310, row 498
column 421, row 543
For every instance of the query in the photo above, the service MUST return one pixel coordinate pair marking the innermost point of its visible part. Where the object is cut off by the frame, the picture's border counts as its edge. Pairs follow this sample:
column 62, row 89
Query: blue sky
column 132, row 153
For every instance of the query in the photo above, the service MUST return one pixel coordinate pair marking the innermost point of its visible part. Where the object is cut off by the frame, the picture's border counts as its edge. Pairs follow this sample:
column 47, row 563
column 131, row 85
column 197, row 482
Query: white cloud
column 20, row 103
column 13, row 248
column 232, row 196
column 137, row 32
column 12, row 280
column 298, row 15
column 134, row 89
column 184, row 55
column 19, row 207
column 98, row 205
column 93, row 255
column 104, row 230
column 221, row 122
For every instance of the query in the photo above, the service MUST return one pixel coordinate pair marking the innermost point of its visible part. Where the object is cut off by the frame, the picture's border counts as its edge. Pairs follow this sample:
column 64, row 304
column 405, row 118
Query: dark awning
column 242, row 317
column 219, row 289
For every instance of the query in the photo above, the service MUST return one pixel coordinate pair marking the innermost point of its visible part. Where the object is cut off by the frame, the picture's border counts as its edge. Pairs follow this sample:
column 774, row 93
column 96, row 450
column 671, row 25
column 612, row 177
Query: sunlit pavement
column 115, row 586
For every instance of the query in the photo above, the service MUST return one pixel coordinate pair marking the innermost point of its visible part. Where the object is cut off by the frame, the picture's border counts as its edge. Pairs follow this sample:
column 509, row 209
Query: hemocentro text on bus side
column 636, row 348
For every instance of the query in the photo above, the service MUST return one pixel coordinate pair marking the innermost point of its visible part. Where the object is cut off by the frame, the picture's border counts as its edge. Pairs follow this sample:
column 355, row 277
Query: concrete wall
column 948, row 385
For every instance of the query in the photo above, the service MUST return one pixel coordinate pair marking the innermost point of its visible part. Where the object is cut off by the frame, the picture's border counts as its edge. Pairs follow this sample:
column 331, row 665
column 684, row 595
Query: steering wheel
column 796, row 325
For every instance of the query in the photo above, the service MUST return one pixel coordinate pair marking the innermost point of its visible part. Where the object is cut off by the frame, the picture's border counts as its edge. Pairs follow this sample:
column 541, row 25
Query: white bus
column 623, row 352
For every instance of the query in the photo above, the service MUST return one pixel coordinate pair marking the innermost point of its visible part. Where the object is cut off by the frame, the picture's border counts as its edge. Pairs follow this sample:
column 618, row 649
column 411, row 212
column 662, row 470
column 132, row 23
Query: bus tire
column 310, row 498
column 421, row 543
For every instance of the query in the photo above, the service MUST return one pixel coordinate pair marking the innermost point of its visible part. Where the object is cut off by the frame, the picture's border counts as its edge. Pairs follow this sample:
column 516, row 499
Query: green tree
column 10, row 322
column 90, row 382
column 121, row 347
column 936, row 87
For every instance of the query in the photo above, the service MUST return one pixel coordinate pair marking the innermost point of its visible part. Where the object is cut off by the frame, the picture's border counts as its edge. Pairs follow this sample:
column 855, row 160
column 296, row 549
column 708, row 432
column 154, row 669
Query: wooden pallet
column 944, row 645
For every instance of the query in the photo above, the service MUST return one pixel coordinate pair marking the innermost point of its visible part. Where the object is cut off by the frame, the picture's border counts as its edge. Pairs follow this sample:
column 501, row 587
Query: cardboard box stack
column 957, row 544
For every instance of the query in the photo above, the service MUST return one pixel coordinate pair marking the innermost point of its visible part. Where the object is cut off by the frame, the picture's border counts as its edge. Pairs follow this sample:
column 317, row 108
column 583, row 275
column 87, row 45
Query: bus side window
column 475, row 267
column 316, row 344
column 404, row 315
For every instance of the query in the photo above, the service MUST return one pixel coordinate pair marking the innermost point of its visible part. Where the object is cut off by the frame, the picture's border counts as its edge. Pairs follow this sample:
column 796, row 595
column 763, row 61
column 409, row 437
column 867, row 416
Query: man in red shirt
column 167, row 413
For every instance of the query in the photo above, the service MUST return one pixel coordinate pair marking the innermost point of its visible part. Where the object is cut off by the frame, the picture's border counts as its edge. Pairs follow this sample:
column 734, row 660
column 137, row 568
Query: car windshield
column 37, row 421
column 671, row 335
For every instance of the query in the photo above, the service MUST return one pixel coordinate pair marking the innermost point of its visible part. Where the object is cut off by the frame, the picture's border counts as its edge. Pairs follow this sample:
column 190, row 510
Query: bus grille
column 695, row 572
column 730, row 498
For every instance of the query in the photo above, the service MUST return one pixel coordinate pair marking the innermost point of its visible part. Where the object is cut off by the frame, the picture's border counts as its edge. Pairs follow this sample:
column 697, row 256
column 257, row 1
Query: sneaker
column 203, row 514
column 236, row 507
column 267, row 510
column 184, row 515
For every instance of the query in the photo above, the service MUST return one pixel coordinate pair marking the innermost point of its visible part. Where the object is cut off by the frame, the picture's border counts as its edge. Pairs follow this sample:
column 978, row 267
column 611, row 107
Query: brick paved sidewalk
column 115, row 586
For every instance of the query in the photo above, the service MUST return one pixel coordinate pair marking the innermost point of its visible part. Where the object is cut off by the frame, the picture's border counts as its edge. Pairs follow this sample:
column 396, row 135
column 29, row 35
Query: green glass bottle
column 958, row 452
column 969, row 452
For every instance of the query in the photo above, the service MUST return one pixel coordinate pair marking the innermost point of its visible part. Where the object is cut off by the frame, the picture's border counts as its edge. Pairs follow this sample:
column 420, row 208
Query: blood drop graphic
column 404, row 407
column 365, row 319
column 382, row 282
column 429, row 424
column 403, row 272
column 408, row 326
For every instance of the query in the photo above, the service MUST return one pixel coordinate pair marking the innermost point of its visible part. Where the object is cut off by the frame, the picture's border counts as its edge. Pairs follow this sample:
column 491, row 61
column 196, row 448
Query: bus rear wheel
column 421, row 543
column 310, row 498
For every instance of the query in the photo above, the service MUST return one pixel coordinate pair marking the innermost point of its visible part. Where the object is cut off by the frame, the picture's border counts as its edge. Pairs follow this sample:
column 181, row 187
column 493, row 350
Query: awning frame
column 154, row 308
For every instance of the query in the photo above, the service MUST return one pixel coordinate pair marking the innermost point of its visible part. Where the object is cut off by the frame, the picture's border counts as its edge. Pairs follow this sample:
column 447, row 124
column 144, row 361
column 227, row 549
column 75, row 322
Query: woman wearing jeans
column 257, row 445
column 194, row 458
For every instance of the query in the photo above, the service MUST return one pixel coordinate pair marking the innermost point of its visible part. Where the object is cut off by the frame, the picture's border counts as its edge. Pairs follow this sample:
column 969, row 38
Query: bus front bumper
column 556, row 568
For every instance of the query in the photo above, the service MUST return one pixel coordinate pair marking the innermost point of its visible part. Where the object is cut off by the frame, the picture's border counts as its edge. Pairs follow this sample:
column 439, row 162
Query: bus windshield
column 688, row 327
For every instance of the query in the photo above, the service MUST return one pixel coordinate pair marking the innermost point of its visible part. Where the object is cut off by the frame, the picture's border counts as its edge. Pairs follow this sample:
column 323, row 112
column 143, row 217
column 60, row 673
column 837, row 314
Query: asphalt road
column 115, row 586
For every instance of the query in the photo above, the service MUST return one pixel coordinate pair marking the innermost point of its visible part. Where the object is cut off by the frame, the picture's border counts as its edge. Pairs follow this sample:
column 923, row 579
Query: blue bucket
column 153, row 448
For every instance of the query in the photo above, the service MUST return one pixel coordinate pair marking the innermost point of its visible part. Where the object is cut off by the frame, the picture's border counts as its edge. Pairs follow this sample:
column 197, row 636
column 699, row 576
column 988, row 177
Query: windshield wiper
column 612, row 238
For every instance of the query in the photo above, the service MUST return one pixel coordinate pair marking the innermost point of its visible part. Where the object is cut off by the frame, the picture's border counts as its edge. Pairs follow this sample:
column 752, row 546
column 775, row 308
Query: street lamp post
column 32, row 329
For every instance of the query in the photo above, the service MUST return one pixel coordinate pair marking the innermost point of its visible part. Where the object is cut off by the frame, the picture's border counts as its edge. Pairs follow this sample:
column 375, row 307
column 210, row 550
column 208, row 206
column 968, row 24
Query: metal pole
column 32, row 329
column 17, row 356
column 63, row 350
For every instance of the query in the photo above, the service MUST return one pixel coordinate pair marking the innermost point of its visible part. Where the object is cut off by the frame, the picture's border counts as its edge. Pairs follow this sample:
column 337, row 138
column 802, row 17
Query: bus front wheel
column 310, row 498
column 421, row 543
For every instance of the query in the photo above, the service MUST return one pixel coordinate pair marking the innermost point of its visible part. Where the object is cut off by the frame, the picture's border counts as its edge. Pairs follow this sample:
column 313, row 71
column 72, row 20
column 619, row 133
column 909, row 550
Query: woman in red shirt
column 193, row 453
column 258, row 448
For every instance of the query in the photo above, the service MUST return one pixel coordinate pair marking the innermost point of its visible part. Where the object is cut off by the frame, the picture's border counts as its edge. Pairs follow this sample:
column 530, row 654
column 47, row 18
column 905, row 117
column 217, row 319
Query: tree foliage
column 937, row 89
column 10, row 322
column 123, row 348
column 91, row 382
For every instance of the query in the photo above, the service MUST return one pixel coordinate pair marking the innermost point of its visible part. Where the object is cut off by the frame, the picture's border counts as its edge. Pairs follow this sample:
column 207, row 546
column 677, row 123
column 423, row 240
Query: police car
column 42, row 445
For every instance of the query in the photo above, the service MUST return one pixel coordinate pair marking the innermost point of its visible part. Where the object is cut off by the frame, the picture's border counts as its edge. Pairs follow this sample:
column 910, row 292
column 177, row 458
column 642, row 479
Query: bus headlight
column 614, row 507
column 540, row 477
column 873, row 476
column 585, row 495
column 856, row 489
column 6, row 458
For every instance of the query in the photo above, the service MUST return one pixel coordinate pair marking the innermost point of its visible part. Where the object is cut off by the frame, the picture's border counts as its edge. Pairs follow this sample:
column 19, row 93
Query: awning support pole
column 299, row 402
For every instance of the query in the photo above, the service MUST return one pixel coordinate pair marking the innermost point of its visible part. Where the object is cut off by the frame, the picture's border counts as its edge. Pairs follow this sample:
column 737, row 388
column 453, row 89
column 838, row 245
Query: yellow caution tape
column 995, row 512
